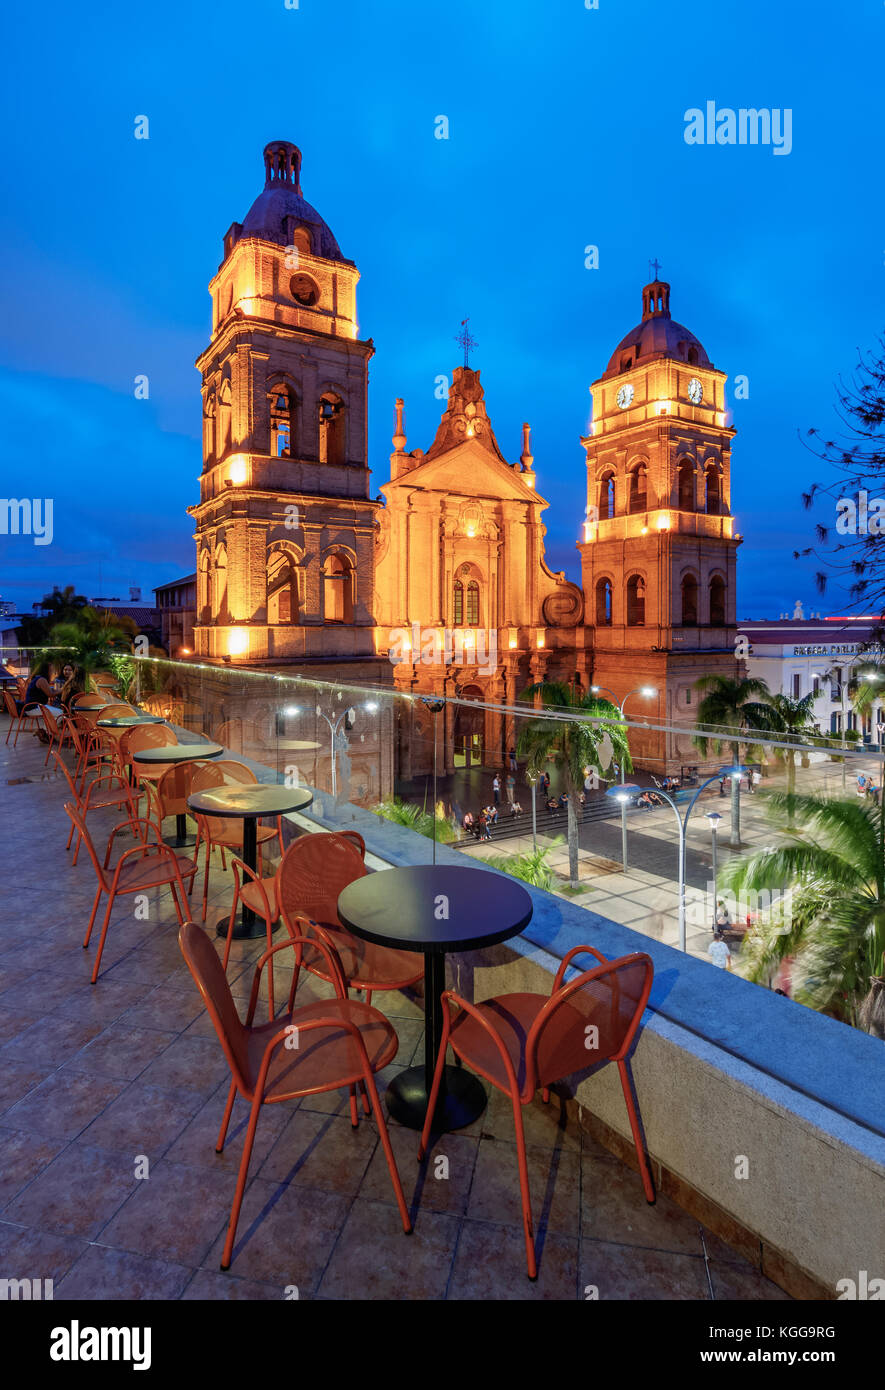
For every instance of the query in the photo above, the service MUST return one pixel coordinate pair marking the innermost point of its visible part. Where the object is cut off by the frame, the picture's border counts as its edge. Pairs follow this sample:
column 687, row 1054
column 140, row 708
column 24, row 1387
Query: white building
column 797, row 656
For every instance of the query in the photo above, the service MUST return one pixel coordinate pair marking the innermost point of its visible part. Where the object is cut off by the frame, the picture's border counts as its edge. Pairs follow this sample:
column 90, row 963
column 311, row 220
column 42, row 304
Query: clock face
column 625, row 396
column 695, row 391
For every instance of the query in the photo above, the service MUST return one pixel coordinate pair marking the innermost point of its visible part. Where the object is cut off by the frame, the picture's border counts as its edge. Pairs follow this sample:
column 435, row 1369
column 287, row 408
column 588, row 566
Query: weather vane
column 657, row 266
column 465, row 340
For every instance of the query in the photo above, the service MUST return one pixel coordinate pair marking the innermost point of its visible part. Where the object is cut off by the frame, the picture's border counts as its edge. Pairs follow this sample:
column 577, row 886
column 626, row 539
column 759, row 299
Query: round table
column 169, row 754
column 435, row 908
column 248, row 802
column 129, row 721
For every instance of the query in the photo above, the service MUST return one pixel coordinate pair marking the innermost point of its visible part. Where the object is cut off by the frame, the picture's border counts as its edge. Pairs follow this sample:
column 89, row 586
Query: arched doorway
column 469, row 731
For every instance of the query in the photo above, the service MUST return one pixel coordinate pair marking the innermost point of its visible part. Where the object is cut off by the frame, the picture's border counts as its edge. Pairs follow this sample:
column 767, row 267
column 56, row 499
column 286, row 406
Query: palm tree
column 572, row 744
column 791, row 719
column 94, row 636
column 835, row 928
column 730, row 707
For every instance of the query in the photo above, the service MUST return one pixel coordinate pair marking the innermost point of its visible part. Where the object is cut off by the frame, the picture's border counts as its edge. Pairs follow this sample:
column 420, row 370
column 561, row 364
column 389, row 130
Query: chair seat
column 232, row 834
column 326, row 1059
column 113, row 796
column 251, row 896
column 151, row 871
column 366, row 965
column 511, row 1016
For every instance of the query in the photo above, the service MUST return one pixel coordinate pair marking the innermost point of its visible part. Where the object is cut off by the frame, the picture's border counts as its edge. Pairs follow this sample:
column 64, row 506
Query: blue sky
column 566, row 129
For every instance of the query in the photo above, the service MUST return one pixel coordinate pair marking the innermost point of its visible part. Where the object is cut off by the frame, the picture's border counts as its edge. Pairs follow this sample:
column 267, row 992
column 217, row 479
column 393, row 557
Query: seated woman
column 468, row 822
column 39, row 689
column 552, row 804
column 563, row 800
column 491, row 815
column 515, row 808
column 73, row 683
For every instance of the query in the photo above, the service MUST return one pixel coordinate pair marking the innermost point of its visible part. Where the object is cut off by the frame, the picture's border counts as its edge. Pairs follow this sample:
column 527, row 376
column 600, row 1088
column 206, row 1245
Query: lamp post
column 648, row 691
column 623, row 793
column 714, row 818
column 335, row 725
column 532, row 778
column 435, row 707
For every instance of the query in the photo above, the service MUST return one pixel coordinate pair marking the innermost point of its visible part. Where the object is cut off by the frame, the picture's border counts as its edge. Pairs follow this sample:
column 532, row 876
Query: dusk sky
column 566, row 129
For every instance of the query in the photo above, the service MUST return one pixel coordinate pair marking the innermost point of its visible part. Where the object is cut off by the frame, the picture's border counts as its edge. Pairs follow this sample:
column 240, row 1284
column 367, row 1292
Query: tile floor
column 111, row 1097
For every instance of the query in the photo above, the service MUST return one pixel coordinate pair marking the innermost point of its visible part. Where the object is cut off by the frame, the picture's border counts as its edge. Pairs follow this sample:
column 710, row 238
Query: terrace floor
column 111, row 1097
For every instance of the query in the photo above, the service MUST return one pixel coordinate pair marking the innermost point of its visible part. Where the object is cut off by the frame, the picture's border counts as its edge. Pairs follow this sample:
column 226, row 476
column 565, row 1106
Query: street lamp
column 714, row 818
column 623, row 794
column 647, row 691
column 532, row 778
column 335, row 725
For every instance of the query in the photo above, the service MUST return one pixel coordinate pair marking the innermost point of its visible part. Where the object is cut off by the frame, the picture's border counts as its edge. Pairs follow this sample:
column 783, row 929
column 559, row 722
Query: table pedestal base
column 462, row 1099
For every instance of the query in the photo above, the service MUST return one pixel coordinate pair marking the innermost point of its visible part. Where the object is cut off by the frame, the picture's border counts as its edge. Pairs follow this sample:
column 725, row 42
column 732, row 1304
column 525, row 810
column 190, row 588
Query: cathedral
column 439, row 587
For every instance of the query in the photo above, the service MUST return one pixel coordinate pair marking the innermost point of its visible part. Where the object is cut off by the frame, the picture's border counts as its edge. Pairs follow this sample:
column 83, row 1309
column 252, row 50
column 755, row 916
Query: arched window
column 693, row 355
column 283, row 600
column 458, row 604
column 635, row 601
column 203, row 588
column 607, row 497
column 338, row 590
column 689, row 601
column 714, row 496
column 472, row 619
column 686, row 486
column 603, row 602
column 638, row 488
column 331, row 412
column 218, row 584
column 209, row 423
column 223, row 430
column 717, row 601
column 281, row 401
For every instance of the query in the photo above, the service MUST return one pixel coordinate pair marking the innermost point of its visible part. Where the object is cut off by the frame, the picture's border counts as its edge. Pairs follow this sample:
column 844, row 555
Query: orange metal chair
column 338, row 1042
column 57, row 729
column 314, row 871
column 520, row 1042
column 146, row 736
column 156, row 866
column 123, row 797
column 30, row 717
column 88, row 701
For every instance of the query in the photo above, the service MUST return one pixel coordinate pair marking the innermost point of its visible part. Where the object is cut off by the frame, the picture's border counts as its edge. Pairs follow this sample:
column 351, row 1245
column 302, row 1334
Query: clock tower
column 659, row 547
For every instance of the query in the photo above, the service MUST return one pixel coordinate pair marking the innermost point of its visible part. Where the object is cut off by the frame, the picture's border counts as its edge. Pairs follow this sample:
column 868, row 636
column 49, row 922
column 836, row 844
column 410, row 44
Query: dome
column 270, row 214
column 657, row 335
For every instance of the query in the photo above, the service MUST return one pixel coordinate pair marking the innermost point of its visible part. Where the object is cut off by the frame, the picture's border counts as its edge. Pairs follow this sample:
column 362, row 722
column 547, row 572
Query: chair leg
column 101, row 940
column 644, row 1172
column 241, row 1182
column 354, row 1112
column 206, row 880
column 434, row 1091
column 230, row 931
column 388, row 1152
column 531, row 1262
column 228, row 1111
column 92, row 918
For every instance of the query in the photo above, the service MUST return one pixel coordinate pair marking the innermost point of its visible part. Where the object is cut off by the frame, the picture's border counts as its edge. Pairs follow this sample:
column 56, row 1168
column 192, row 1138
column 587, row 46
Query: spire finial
column 399, row 433
column 657, row 265
column 466, row 341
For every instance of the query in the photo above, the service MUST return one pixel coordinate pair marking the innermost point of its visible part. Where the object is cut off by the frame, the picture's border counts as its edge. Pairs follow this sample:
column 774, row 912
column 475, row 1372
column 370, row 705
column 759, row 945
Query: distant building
column 147, row 620
column 177, row 603
column 819, row 656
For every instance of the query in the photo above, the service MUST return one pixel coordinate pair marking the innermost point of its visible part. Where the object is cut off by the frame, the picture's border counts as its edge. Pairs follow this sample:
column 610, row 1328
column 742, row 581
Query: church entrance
column 469, row 730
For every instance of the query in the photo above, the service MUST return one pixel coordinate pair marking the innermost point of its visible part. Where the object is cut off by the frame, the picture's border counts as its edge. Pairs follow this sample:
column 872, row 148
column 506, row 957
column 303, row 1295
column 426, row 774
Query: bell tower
column 284, row 526
column 658, row 553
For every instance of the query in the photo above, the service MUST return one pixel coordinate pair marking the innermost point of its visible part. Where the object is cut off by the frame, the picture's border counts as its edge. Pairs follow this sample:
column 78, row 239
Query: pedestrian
column 545, row 781
column 512, row 756
column 719, row 952
column 511, row 786
column 722, row 781
column 496, row 789
column 723, row 920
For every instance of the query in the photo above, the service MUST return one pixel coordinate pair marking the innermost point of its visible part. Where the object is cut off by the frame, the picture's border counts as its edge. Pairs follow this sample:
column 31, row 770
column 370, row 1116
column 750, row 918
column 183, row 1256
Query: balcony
column 723, row 1069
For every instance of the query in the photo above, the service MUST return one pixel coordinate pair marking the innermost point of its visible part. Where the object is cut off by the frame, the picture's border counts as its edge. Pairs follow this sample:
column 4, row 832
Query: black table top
column 176, row 752
column 405, row 908
column 258, row 799
column 128, row 721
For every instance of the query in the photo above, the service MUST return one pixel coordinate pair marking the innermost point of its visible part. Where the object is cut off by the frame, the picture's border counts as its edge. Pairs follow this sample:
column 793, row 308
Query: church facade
column 442, row 589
